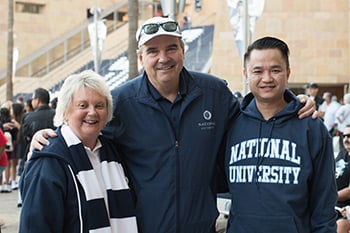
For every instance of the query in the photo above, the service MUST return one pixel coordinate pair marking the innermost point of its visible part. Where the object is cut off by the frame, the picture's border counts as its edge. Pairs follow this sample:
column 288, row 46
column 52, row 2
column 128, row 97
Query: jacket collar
column 42, row 107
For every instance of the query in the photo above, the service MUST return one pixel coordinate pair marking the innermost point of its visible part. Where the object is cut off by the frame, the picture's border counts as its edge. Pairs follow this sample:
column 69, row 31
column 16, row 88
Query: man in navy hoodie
column 280, row 169
column 169, row 125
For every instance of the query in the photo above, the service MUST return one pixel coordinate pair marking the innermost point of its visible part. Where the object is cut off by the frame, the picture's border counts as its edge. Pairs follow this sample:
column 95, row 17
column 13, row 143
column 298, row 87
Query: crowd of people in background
column 343, row 177
column 11, row 114
column 334, row 113
column 14, row 127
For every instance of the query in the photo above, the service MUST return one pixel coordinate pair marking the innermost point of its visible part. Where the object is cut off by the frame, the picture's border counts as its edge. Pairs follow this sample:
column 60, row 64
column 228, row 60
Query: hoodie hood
column 249, row 108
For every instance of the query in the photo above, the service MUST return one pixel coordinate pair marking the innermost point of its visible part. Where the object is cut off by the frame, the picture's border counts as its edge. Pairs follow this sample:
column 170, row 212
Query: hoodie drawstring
column 261, row 156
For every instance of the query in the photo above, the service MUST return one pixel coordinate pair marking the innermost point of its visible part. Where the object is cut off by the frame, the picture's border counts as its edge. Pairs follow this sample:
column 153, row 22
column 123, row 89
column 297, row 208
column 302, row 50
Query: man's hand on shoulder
column 39, row 140
column 309, row 107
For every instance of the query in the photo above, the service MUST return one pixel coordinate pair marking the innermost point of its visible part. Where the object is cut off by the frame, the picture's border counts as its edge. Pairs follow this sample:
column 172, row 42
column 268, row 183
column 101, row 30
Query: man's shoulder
column 343, row 154
column 344, row 108
column 208, row 81
column 30, row 115
column 127, row 88
column 40, row 113
column 205, row 77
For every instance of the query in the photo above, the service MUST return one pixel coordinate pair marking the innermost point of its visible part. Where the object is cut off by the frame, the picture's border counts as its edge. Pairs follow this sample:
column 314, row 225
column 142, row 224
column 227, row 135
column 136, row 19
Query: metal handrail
column 81, row 29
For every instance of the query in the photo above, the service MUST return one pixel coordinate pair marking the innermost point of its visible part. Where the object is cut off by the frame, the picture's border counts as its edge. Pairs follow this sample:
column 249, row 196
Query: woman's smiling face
column 87, row 115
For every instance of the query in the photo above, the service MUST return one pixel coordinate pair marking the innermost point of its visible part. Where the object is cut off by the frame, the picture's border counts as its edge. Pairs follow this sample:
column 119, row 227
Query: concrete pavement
column 9, row 212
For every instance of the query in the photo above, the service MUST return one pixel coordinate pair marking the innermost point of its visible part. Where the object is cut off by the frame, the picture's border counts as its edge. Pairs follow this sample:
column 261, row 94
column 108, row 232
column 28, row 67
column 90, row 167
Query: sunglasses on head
column 152, row 28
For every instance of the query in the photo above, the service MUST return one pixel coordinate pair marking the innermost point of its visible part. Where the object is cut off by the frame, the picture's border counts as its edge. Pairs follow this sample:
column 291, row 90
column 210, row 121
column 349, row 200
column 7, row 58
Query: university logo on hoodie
column 247, row 157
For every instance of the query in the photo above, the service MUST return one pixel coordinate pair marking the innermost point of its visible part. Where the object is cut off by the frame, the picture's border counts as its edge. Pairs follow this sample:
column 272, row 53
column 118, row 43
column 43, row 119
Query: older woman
column 77, row 184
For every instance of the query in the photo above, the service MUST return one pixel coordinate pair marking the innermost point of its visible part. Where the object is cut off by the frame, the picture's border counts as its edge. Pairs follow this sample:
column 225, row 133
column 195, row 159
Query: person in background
column 11, row 129
column 342, row 116
column 53, row 103
column 28, row 107
column 20, row 100
column 23, row 147
column 238, row 95
column 3, row 164
column 343, row 181
column 313, row 94
column 3, row 157
column 187, row 22
column 40, row 118
column 280, row 169
column 77, row 184
column 23, row 144
column 5, row 117
column 173, row 169
column 16, row 112
column 327, row 112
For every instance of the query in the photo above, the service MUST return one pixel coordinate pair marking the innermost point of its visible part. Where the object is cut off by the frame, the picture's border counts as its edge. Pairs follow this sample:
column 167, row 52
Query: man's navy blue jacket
column 173, row 176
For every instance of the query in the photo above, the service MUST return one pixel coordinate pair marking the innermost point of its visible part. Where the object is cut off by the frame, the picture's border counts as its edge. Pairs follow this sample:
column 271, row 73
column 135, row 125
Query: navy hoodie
column 280, row 172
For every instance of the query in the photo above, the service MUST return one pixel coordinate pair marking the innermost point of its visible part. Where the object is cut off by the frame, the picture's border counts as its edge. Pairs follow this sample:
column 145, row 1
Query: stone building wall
column 317, row 32
column 33, row 31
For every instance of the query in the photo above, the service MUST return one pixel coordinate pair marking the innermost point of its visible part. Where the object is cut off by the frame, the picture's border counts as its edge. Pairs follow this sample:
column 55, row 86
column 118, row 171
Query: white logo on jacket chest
column 207, row 115
column 207, row 125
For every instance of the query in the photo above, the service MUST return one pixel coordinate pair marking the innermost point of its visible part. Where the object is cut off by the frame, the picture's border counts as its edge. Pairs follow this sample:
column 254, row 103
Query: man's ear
column 288, row 73
column 245, row 73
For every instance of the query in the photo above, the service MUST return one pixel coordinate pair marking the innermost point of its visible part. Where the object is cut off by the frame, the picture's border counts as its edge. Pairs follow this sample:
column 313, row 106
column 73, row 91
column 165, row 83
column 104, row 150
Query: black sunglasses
column 346, row 135
column 152, row 28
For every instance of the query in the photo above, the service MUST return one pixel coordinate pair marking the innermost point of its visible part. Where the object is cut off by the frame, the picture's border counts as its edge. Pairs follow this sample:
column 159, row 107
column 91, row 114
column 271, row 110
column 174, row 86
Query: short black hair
column 5, row 115
column 268, row 43
column 42, row 94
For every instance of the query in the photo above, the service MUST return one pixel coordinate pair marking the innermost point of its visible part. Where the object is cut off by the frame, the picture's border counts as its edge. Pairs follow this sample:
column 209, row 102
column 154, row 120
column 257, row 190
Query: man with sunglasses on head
column 169, row 125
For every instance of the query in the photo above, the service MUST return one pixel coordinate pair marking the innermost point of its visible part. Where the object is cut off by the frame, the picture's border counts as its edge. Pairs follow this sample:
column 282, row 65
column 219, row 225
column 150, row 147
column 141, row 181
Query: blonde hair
column 86, row 79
